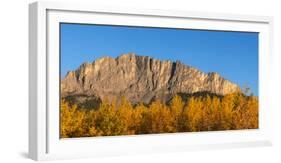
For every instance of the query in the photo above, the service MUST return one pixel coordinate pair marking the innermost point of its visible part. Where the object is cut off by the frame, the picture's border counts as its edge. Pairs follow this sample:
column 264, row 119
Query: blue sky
column 234, row 55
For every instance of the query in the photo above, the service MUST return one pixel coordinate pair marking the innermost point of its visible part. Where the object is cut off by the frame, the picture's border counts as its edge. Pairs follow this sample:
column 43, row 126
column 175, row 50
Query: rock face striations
column 141, row 79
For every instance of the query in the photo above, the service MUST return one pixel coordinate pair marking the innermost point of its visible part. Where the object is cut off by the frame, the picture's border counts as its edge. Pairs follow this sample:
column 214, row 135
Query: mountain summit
column 141, row 79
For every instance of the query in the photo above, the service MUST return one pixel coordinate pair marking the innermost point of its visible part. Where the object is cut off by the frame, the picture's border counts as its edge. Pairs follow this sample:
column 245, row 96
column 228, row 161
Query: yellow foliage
column 197, row 113
column 71, row 121
column 176, row 107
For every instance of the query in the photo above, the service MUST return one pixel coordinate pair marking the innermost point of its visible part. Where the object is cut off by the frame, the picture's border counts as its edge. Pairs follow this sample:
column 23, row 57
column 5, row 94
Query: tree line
column 196, row 113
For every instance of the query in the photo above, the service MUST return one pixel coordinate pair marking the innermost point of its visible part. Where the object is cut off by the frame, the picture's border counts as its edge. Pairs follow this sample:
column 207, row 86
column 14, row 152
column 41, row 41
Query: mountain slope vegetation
column 195, row 113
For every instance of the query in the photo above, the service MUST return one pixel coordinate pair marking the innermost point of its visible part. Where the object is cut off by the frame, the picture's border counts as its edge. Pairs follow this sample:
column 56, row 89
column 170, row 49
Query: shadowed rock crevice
column 173, row 70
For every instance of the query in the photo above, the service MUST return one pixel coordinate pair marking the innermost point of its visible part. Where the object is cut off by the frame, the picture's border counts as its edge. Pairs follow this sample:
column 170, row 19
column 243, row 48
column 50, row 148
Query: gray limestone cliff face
column 140, row 79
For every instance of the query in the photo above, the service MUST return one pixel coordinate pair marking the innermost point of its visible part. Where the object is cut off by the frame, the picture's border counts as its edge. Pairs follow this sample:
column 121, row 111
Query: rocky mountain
column 140, row 79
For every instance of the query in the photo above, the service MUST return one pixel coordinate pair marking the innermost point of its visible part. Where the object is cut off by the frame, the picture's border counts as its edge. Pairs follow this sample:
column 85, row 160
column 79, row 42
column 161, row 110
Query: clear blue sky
column 234, row 55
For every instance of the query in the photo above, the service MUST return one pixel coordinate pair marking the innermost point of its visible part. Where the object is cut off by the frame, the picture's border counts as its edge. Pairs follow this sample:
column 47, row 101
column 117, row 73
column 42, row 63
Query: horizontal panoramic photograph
column 127, row 80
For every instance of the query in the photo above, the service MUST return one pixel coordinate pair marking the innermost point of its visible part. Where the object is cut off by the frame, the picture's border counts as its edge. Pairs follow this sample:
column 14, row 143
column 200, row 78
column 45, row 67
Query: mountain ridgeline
column 139, row 79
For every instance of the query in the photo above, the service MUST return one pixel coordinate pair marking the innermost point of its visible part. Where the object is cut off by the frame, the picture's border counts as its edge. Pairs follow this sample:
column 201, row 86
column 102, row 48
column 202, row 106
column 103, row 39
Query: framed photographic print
column 108, row 81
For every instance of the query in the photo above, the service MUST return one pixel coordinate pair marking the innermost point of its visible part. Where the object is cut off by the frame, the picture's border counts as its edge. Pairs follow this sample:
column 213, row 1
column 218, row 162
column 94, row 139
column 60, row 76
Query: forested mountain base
column 195, row 113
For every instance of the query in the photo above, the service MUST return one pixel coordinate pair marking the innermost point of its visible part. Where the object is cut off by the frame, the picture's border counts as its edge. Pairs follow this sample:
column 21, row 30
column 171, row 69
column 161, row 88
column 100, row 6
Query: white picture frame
column 44, row 141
